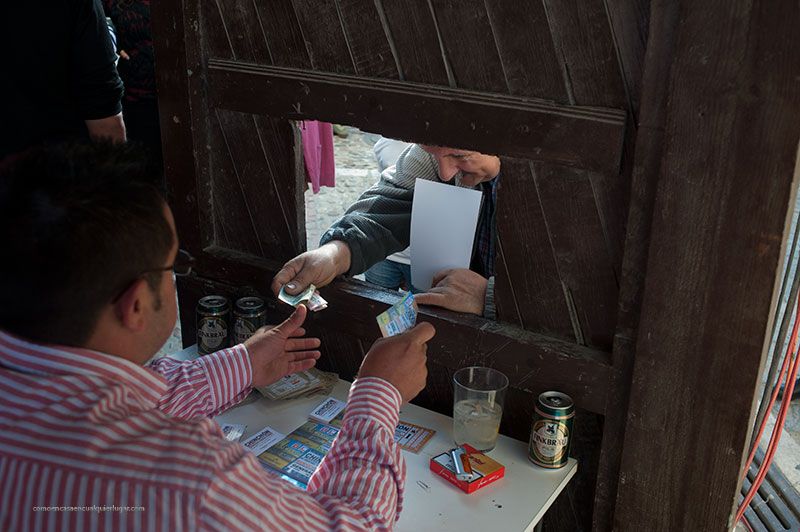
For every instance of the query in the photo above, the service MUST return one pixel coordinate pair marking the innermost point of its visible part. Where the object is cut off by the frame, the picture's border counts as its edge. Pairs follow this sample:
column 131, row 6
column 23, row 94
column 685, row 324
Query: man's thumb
column 295, row 321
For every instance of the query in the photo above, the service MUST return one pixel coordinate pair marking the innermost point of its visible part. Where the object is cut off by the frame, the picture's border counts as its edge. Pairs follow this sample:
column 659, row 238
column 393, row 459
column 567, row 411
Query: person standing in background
column 59, row 79
column 137, row 68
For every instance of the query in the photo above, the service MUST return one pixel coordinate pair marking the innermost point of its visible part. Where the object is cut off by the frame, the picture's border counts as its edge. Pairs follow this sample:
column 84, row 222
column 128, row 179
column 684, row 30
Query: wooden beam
column 584, row 137
column 533, row 362
column 649, row 144
column 725, row 184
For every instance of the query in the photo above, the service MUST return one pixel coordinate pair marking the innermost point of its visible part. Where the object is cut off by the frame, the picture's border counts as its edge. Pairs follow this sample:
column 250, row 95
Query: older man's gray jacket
column 379, row 222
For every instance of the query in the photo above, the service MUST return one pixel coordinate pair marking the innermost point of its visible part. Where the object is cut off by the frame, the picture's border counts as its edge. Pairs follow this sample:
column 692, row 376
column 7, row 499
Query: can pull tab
column 461, row 463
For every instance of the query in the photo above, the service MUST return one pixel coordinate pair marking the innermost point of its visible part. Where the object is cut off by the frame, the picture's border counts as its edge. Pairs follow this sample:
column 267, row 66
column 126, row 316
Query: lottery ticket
column 233, row 431
column 398, row 318
column 292, row 385
column 327, row 410
column 262, row 440
column 412, row 437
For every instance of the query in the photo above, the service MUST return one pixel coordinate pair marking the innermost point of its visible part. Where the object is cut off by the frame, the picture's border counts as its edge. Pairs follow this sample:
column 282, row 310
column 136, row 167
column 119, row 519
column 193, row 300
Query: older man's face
column 475, row 167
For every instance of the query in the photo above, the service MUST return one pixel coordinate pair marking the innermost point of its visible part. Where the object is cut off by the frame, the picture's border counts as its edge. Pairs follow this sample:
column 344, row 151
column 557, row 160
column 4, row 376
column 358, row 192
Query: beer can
column 551, row 430
column 249, row 315
column 213, row 316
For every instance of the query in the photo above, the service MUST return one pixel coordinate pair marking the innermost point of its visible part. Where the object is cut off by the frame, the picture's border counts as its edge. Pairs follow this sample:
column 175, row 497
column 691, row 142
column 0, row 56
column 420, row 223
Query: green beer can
column 213, row 316
column 551, row 431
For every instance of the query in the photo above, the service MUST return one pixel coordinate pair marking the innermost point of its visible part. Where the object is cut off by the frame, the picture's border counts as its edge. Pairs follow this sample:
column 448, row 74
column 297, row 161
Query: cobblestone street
column 356, row 171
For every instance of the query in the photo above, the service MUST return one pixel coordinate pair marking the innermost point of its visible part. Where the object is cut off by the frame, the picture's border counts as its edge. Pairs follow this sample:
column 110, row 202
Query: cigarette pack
column 484, row 470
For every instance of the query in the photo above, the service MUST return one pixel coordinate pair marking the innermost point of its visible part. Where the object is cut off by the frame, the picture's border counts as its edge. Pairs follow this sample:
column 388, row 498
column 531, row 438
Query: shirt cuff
column 229, row 372
column 489, row 309
column 374, row 398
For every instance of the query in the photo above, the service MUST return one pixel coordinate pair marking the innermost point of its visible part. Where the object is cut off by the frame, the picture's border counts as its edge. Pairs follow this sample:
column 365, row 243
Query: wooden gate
column 556, row 87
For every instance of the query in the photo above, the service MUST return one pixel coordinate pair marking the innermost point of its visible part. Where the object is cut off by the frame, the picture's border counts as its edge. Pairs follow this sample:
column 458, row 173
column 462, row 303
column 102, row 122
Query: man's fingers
column 441, row 274
column 302, row 344
column 298, row 332
column 286, row 274
column 422, row 332
column 293, row 322
column 431, row 298
column 296, row 356
column 301, row 365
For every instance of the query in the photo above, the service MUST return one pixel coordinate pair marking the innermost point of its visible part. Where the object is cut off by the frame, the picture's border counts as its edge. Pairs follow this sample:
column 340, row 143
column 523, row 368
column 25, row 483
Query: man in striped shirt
column 92, row 437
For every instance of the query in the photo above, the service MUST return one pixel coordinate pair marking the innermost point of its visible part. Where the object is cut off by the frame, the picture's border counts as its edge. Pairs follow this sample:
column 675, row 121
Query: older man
column 379, row 223
column 94, row 437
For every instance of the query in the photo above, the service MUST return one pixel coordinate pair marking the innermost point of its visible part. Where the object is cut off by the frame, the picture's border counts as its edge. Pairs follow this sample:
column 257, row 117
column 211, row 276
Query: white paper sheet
column 443, row 221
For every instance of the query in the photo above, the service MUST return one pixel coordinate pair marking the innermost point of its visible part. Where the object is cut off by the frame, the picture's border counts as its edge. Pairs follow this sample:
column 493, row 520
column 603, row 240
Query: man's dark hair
column 79, row 222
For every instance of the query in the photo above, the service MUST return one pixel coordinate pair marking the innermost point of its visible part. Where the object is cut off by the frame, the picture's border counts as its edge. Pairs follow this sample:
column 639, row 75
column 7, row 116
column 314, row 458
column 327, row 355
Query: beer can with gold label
column 552, row 430
column 249, row 315
column 213, row 316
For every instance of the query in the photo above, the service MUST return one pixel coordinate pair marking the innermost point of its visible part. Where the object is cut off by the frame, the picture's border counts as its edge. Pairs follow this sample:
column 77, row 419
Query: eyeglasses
column 181, row 267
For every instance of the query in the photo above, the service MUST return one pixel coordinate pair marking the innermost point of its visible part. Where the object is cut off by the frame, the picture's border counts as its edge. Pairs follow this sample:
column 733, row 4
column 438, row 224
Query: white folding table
column 518, row 501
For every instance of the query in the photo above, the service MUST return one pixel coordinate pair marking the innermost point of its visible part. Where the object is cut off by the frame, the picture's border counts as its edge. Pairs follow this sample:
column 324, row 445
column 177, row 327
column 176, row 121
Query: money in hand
column 310, row 297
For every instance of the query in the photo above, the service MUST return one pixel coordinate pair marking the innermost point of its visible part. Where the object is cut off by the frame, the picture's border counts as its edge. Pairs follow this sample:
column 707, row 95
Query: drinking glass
column 478, row 396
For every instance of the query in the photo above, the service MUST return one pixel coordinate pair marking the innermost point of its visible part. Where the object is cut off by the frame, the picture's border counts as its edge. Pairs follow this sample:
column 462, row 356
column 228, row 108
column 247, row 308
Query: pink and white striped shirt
column 89, row 441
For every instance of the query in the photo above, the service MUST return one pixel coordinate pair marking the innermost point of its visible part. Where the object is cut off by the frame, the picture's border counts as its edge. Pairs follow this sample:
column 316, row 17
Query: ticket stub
column 262, row 440
column 233, row 431
column 291, row 385
column 327, row 410
column 398, row 318
column 412, row 437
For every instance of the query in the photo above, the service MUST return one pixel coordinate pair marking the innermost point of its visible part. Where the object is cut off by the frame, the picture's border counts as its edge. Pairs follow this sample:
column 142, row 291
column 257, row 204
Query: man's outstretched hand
column 401, row 360
column 279, row 351
column 458, row 289
column 318, row 267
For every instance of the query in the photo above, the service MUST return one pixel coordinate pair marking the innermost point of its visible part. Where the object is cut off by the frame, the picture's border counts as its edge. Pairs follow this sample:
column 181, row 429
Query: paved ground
column 356, row 170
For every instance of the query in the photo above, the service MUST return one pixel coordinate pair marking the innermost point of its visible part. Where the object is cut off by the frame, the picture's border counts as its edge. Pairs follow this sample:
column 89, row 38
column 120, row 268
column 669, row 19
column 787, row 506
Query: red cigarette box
column 486, row 470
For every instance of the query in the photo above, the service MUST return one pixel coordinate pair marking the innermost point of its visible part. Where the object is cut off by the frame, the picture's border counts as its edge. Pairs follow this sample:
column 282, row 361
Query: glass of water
column 478, row 406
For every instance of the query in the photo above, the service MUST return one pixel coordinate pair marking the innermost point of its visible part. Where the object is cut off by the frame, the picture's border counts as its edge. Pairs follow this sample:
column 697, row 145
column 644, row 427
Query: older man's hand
column 318, row 267
column 281, row 350
column 459, row 289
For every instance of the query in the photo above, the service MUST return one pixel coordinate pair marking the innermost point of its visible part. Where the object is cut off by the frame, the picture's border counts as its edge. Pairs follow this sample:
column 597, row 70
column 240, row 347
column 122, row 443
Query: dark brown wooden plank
column 240, row 23
column 341, row 353
column 324, row 35
column 715, row 249
column 630, row 22
column 283, row 34
column 586, row 138
column 182, row 110
column 175, row 109
column 413, row 31
column 233, row 228
column 469, row 45
column 529, row 275
column 649, row 144
column 526, row 50
column 216, row 38
column 367, row 39
column 581, row 252
column 582, row 36
column 260, row 152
